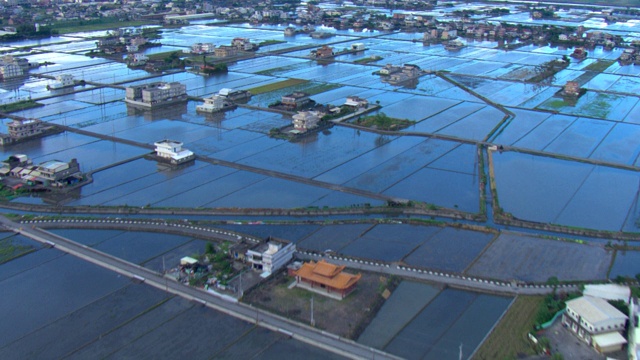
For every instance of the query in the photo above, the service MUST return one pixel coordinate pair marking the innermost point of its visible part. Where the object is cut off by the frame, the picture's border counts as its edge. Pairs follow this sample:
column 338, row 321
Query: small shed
column 188, row 261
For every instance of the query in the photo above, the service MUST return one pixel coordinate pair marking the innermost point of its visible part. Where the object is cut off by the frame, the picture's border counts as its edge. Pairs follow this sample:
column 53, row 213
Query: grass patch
column 555, row 104
column 166, row 54
column 99, row 26
column 509, row 337
column 321, row 88
column 600, row 65
column 383, row 122
column 20, row 105
column 276, row 86
column 9, row 250
column 367, row 60
column 271, row 42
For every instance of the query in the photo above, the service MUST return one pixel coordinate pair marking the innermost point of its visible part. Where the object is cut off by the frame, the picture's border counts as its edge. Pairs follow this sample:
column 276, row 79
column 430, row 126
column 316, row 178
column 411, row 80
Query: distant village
column 21, row 19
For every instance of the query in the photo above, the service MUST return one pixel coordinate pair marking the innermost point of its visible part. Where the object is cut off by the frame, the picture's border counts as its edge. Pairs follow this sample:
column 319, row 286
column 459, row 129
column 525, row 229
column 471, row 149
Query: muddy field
column 346, row 317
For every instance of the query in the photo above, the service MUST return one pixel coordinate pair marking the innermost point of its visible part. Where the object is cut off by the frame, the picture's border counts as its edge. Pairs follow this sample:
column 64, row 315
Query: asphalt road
column 211, row 233
column 312, row 336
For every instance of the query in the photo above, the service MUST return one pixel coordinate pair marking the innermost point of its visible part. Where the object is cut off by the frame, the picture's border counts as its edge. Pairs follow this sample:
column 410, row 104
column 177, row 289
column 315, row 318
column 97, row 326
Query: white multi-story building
column 156, row 94
column 270, row 255
column 203, row 48
column 62, row 81
column 172, row 152
column 9, row 70
column 215, row 103
column 306, row 120
column 596, row 322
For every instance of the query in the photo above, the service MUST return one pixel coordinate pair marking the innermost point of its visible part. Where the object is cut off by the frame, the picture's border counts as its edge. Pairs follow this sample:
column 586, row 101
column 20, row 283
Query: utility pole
column 460, row 356
column 313, row 321
column 164, row 275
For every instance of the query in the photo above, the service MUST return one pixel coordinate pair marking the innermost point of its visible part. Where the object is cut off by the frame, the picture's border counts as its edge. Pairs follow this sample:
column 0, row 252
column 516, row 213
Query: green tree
column 209, row 248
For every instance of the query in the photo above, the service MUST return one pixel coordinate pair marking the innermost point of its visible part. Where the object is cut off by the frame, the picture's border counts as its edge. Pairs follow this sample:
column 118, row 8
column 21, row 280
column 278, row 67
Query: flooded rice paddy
column 599, row 126
column 48, row 293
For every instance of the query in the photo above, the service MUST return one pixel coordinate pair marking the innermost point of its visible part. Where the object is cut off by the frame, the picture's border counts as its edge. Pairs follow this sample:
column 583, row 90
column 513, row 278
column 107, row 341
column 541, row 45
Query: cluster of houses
column 12, row 67
column 630, row 56
column 271, row 255
column 121, row 40
column 307, row 120
column 237, row 44
column 224, row 100
column 397, row 75
column 18, row 171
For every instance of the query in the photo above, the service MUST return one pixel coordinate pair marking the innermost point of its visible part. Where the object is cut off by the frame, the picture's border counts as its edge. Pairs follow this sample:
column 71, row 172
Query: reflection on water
column 170, row 112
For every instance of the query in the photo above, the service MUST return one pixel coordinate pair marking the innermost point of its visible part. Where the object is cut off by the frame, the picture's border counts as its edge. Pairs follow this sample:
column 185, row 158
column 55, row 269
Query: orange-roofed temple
column 327, row 279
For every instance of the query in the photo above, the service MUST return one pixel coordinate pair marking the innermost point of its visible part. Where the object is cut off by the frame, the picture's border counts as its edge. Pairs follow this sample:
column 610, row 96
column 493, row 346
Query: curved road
column 211, row 233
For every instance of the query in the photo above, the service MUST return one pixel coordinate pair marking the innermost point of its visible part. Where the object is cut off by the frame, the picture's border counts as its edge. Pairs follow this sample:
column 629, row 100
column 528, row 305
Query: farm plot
column 87, row 237
column 138, row 247
column 316, row 155
column 450, row 250
column 536, row 188
column 602, row 201
column 174, row 183
column 475, row 126
column 204, row 195
column 453, row 316
column 625, row 264
column 405, row 303
column 526, row 258
column 161, row 340
column 45, row 302
column 87, row 323
column 444, row 188
column 293, row 233
column 621, row 145
column 365, row 162
column 523, row 123
column 418, row 107
column 388, row 242
column 401, row 166
column 443, row 119
column 543, row 134
column 272, row 193
column 333, row 237
column 238, row 140
column 581, row 138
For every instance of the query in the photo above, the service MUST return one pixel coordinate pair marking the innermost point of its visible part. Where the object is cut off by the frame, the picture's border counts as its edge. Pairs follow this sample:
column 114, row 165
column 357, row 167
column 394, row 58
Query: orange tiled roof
column 337, row 279
column 324, row 268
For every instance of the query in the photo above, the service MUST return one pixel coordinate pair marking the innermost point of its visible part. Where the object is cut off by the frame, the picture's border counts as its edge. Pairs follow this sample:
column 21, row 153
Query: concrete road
column 312, row 336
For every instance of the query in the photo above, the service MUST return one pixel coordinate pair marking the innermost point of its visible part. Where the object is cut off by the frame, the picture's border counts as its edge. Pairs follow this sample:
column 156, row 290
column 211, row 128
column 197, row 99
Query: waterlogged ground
column 48, row 293
column 600, row 125
column 549, row 190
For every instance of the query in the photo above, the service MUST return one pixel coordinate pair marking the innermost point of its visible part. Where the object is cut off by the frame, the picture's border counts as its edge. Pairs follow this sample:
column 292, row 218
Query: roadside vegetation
column 509, row 338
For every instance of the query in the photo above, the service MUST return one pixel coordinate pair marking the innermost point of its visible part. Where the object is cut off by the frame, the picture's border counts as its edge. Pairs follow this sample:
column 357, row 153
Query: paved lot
column 564, row 342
